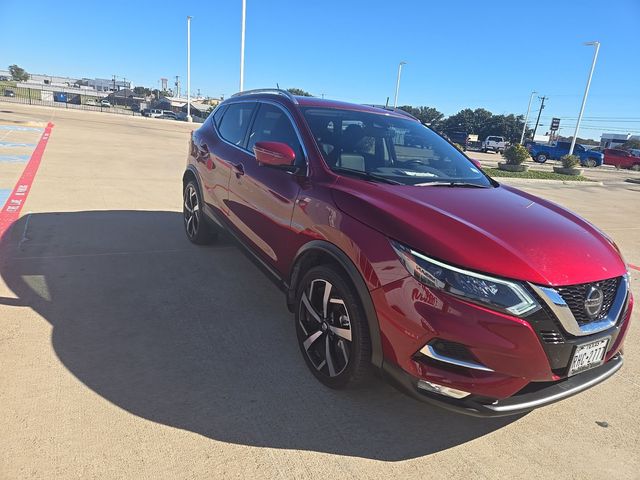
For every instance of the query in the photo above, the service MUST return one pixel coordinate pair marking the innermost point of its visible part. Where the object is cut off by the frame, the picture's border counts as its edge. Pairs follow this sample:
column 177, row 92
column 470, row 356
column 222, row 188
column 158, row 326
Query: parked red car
column 621, row 159
column 397, row 254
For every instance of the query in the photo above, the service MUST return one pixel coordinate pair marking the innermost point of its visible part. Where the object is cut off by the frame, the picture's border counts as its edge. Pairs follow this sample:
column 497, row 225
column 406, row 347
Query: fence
column 68, row 98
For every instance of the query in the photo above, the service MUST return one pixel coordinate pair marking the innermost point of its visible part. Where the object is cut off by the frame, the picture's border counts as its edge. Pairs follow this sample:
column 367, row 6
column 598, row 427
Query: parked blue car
column 542, row 153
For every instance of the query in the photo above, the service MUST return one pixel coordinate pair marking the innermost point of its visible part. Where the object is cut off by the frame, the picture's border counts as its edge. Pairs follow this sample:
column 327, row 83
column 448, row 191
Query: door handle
column 239, row 169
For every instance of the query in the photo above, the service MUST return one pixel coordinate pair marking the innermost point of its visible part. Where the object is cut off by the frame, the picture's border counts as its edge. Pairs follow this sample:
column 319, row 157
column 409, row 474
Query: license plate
column 588, row 355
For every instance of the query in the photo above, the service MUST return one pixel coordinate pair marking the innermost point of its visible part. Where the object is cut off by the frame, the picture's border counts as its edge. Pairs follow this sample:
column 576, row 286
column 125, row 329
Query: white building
column 613, row 140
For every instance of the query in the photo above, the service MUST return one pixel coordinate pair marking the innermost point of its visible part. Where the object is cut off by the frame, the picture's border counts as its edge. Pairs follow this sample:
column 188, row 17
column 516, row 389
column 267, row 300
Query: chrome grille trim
column 430, row 352
column 565, row 316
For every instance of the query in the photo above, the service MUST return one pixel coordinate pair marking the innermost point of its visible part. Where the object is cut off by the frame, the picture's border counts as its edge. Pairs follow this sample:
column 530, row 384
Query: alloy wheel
column 326, row 328
column 191, row 211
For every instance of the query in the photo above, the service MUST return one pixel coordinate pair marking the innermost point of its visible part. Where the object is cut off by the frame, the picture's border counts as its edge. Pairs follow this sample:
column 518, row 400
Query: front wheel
column 331, row 327
column 590, row 163
column 541, row 158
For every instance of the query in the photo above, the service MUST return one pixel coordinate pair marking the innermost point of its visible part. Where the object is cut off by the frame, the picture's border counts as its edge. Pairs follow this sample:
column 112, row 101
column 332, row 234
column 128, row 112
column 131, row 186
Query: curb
column 546, row 181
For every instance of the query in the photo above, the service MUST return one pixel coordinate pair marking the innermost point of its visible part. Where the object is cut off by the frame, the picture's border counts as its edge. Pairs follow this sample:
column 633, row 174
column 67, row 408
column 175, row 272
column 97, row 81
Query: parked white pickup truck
column 496, row 144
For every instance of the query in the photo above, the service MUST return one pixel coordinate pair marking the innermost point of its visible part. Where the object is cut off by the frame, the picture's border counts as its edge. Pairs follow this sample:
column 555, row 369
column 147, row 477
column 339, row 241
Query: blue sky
column 460, row 54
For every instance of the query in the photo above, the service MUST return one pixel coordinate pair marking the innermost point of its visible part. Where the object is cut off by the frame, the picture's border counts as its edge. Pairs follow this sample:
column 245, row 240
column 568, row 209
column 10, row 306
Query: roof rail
column 392, row 109
column 275, row 91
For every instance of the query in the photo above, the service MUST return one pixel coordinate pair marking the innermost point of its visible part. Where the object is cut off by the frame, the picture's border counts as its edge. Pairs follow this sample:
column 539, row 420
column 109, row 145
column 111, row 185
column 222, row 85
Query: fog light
column 441, row 389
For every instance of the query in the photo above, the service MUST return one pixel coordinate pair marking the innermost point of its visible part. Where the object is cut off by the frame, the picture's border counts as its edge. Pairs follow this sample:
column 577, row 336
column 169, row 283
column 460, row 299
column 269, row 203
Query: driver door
column 261, row 198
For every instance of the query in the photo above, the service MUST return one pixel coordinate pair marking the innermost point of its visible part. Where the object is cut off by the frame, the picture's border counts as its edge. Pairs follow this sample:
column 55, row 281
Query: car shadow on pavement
column 199, row 339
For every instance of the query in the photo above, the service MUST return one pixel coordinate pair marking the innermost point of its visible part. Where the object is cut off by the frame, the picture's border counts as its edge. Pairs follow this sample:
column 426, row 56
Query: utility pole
column 189, row 119
column 586, row 93
column 526, row 118
column 395, row 100
column 244, row 18
column 538, row 120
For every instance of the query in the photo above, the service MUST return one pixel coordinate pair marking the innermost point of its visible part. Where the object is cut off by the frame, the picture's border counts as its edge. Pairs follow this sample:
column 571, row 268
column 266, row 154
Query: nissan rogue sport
column 398, row 254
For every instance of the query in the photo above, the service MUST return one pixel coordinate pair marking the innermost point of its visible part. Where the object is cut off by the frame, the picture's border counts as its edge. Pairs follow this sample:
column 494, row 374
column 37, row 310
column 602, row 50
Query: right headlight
column 496, row 293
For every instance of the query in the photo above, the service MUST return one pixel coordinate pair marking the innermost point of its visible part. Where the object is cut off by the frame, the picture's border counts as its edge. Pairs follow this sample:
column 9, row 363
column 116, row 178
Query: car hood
column 501, row 230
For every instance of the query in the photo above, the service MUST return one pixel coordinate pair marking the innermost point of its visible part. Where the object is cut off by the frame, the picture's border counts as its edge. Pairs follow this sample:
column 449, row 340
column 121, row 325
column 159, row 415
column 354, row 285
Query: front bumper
column 531, row 397
column 527, row 360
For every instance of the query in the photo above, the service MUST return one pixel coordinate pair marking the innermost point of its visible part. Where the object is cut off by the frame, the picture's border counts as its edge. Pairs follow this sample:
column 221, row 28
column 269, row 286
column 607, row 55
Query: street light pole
column 395, row 100
column 189, row 119
column 244, row 18
column 586, row 93
column 526, row 118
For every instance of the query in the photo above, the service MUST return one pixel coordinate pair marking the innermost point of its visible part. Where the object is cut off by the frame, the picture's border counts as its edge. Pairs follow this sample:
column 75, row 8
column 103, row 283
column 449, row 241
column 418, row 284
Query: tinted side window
column 273, row 125
column 235, row 122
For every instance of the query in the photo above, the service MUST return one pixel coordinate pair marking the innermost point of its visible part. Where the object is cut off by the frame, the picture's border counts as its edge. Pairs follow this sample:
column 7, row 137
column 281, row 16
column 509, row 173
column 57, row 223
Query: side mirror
column 275, row 154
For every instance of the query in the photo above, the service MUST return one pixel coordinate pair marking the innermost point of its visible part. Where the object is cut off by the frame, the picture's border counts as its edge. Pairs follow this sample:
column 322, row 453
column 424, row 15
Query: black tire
column 335, row 345
column 198, row 230
column 590, row 162
column 635, row 167
column 541, row 158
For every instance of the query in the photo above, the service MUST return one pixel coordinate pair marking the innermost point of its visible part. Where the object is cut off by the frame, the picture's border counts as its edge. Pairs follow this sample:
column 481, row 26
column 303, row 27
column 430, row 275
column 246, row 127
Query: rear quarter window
column 235, row 122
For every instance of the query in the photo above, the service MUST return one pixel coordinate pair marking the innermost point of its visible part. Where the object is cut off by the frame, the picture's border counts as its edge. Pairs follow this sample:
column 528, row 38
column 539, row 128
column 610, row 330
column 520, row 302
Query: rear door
column 220, row 148
column 622, row 158
column 261, row 198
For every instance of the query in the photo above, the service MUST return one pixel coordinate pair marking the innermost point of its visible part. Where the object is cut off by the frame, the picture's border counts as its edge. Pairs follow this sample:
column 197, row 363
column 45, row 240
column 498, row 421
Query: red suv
column 397, row 254
column 621, row 159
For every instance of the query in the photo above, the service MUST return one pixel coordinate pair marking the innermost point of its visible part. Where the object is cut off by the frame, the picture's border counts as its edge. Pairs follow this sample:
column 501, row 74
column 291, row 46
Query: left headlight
column 495, row 293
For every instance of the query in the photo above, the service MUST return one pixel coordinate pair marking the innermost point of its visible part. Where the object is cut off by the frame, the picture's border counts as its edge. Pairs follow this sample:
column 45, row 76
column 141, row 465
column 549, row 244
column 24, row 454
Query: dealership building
column 613, row 140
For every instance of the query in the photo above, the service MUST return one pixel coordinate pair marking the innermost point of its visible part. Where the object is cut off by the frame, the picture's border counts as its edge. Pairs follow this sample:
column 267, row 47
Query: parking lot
column 127, row 352
column 606, row 174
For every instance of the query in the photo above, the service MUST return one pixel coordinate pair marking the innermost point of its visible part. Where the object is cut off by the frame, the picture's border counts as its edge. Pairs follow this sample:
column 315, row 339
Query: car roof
column 304, row 101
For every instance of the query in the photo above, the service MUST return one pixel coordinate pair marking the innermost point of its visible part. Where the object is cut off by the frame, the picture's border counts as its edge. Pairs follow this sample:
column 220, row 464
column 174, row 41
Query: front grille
column 453, row 350
column 551, row 336
column 575, row 296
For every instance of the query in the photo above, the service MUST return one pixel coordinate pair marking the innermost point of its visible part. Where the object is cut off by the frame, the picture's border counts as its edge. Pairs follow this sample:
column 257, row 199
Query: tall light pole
column 395, row 100
column 526, row 118
column 244, row 18
column 189, row 119
column 586, row 93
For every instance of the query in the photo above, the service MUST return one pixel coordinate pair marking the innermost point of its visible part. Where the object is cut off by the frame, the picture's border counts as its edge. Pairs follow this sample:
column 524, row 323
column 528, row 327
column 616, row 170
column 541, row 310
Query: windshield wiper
column 450, row 184
column 365, row 175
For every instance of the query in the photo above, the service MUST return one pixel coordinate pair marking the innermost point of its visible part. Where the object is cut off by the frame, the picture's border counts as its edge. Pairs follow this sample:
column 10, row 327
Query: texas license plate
column 588, row 355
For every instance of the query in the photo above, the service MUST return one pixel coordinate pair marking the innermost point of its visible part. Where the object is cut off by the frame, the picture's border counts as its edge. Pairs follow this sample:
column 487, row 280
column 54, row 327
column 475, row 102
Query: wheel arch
column 191, row 173
column 318, row 252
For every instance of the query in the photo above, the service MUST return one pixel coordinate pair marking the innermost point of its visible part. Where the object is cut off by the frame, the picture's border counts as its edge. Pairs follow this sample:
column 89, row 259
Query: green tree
column 18, row 74
column 427, row 115
column 141, row 91
column 299, row 91
column 507, row 126
column 629, row 144
column 467, row 120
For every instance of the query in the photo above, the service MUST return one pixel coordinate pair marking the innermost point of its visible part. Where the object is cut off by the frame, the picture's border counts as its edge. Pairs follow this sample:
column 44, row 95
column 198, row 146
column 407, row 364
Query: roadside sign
column 555, row 124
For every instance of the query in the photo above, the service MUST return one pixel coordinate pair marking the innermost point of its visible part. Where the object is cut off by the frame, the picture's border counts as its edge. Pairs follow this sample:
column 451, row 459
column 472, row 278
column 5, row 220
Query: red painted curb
column 12, row 207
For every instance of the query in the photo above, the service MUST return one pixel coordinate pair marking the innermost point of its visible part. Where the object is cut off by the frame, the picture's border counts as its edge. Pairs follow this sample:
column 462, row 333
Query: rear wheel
column 636, row 167
column 331, row 328
column 541, row 158
column 195, row 225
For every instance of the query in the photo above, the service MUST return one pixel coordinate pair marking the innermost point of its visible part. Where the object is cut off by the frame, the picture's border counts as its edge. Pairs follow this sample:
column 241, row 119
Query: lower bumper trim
column 514, row 405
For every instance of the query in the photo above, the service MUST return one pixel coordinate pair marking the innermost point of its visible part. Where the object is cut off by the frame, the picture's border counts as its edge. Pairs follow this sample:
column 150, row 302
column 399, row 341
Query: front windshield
column 386, row 147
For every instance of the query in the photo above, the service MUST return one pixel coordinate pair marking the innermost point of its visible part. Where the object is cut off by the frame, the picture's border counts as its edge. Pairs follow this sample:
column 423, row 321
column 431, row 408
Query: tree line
column 479, row 122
